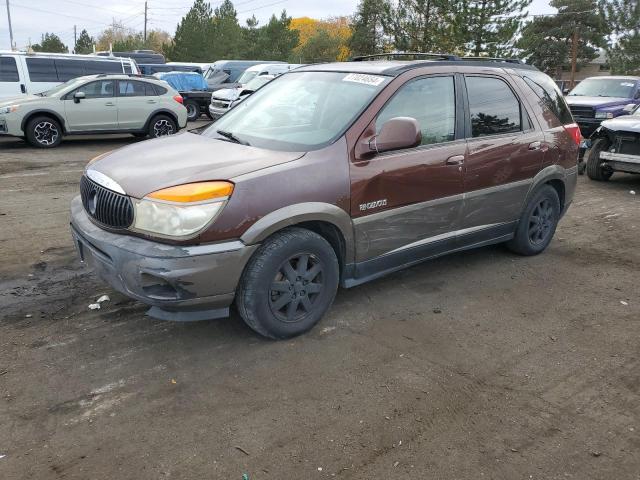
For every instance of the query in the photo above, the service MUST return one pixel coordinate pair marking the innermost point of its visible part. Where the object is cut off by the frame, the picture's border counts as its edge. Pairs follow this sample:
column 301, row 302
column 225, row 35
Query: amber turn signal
column 193, row 192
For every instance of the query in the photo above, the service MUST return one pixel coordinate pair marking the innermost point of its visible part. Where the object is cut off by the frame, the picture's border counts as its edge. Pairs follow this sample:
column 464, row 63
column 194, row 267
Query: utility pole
column 574, row 57
column 12, row 45
column 75, row 38
column 145, row 20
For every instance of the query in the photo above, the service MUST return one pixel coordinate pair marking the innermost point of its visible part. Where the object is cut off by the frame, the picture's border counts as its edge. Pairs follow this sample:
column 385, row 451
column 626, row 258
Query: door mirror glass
column 78, row 96
column 397, row 133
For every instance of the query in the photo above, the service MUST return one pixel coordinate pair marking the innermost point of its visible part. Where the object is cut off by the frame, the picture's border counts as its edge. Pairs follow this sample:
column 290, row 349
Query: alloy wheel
column 46, row 133
column 163, row 128
column 541, row 222
column 296, row 287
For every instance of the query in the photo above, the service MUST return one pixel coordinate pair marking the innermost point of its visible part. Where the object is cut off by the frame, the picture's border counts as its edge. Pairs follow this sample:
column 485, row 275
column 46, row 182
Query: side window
column 130, row 88
column 431, row 101
column 160, row 90
column 127, row 68
column 42, row 70
column 149, row 91
column 8, row 70
column 101, row 89
column 68, row 69
column 493, row 107
column 550, row 94
column 94, row 67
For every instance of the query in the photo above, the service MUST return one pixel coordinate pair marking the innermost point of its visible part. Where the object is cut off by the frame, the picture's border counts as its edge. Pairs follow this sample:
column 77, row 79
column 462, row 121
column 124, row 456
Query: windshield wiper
column 231, row 137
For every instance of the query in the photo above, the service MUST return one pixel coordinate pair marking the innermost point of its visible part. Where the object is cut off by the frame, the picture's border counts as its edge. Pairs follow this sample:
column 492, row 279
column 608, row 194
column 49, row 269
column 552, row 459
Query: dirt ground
column 481, row 365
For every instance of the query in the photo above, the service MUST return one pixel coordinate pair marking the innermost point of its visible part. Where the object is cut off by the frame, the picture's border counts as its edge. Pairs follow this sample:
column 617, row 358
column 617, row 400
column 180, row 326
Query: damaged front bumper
column 180, row 283
column 621, row 162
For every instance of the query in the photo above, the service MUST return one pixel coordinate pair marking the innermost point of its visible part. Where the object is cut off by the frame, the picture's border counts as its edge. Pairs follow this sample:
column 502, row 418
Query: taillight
column 574, row 130
column 179, row 99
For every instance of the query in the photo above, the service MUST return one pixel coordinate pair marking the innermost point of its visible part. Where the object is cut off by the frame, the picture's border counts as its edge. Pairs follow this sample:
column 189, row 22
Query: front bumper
column 621, row 162
column 9, row 126
column 181, row 283
column 216, row 113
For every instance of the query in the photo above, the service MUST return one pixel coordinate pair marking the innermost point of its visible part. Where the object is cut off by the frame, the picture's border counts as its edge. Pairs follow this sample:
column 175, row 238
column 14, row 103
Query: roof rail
column 389, row 56
column 494, row 59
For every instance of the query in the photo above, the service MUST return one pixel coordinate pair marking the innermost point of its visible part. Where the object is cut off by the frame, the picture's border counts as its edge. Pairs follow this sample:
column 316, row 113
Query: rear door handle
column 535, row 146
column 455, row 160
column 23, row 89
column 151, row 101
column 110, row 104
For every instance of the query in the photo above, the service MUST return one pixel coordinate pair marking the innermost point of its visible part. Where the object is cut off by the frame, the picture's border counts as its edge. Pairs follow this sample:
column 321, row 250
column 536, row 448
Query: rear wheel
column 161, row 126
column 289, row 284
column 44, row 132
column 193, row 110
column 595, row 170
column 538, row 223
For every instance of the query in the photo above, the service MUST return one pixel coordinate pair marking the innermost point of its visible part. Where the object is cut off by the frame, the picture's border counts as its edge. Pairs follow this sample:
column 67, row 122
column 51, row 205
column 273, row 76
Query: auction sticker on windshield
column 363, row 78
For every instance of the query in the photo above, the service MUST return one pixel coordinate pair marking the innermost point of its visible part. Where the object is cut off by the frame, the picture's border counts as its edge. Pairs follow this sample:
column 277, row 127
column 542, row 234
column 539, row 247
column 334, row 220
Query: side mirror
column 397, row 133
column 565, row 91
column 629, row 108
column 637, row 95
column 78, row 96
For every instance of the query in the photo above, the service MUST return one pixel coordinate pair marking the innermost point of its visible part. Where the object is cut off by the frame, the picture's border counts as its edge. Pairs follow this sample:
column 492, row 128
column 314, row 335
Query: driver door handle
column 455, row 160
column 110, row 104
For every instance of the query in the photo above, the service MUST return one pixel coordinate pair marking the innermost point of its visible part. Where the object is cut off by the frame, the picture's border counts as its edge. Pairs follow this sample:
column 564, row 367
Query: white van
column 265, row 69
column 30, row 73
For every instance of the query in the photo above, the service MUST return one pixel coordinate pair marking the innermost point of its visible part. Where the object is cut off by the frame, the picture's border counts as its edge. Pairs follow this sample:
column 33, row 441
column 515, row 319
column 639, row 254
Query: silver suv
column 93, row 104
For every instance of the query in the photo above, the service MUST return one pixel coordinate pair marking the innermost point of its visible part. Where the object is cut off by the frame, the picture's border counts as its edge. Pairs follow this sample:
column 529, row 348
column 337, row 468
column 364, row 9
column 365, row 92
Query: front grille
column 220, row 104
column 105, row 206
column 582, row 112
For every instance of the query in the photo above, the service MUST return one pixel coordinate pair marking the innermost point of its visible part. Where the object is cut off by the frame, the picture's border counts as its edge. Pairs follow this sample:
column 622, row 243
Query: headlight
column 9, row 109
column 182, row 210
column 604, row 115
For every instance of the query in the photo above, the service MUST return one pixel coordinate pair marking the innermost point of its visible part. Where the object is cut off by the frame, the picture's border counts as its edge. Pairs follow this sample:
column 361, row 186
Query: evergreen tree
column 367, row 36
column 277, row 40
column 192, row 41
column 623, row 21
column 50, row 43
column 490, row 27
column 84, row 44
column 227, row 33
column 251, row 39
column 547, row 41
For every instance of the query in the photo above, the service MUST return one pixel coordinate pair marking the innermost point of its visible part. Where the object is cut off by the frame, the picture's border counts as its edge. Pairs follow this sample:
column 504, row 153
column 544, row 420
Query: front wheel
column 289, row 284
column 193, row 110
column 538, row 223
column 44, row 132
column 161, row 126
column 595, row 170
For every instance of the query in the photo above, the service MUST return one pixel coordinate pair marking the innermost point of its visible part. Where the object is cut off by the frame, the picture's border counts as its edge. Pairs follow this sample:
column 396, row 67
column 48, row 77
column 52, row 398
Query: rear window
column 547, row 90
column 8, row 70
column 42, row 70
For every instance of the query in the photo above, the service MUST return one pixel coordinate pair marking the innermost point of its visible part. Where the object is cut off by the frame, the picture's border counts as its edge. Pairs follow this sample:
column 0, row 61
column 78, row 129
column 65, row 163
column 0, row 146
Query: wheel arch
column 329, row 221
column 556, row 176
column 44, row 113
column 161, row 111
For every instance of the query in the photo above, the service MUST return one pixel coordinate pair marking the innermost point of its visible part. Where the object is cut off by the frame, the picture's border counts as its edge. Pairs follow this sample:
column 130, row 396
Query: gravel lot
column 478, row 365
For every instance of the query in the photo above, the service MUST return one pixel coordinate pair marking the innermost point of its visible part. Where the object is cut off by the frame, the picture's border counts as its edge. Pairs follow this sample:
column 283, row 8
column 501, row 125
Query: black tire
column 193, row 110
column 161, row 126
column 594, row 170
column 538, row 223
column 44, row 132
column 208, row 114
column 274, row 296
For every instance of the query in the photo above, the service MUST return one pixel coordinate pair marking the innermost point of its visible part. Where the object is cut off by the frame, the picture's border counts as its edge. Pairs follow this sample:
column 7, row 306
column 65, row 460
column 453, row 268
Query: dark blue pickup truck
column 601, row 98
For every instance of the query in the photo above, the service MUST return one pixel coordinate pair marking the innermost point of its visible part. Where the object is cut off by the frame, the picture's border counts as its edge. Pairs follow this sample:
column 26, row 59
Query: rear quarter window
column 8, row 70
column 42, row 70
column 547, row 90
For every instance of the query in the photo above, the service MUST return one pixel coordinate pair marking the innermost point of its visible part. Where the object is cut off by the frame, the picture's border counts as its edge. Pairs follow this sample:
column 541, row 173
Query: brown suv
column 330, row 175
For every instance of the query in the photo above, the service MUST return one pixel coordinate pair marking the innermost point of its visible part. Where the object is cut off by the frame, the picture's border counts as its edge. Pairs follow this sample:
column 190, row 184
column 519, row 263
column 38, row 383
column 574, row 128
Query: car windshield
column 300, row 111
column 62, row 87
column 247, row 76
column 604, row 87
column 257, row 82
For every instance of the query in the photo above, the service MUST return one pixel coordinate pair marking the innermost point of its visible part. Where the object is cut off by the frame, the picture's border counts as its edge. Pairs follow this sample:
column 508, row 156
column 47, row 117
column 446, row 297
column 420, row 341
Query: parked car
column 225, row 73
column 333, row 174
column 94, row 104
column 600, row 98
column 265, row 69
column 193, row 89
column 153, row 68
column 225, row 99
column 615, row 147
column 31, row 73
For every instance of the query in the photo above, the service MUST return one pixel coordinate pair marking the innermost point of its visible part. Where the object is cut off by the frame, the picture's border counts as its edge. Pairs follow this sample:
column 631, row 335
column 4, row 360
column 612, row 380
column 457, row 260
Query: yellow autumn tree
column 337, row 28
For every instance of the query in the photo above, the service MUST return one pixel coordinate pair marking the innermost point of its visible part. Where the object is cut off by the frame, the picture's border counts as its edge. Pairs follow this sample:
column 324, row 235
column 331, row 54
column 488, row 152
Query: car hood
column 578, row 100
column 227, row 93
column 627, row 123
column 145, row 167
column 21, row 100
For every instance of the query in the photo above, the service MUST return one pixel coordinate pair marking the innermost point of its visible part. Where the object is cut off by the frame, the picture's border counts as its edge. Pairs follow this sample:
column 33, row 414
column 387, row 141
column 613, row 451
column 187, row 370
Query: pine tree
column 50, row 43
column 623, row 21
column 489, row 27
column 192, row 41
column 367, row 36
column 227, row 33
column 277, row 40
column 84, row 44
column 547, row 41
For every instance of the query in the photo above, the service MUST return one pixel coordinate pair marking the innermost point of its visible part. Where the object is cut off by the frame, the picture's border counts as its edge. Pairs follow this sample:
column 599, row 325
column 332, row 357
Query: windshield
column 247, row 76
column 257, row 82
column 62, row 87
column 300, row 111
column 604, row 87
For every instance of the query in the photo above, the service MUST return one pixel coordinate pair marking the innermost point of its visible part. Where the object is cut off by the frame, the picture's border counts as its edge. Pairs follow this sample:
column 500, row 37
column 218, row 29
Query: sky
column 31, row 18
